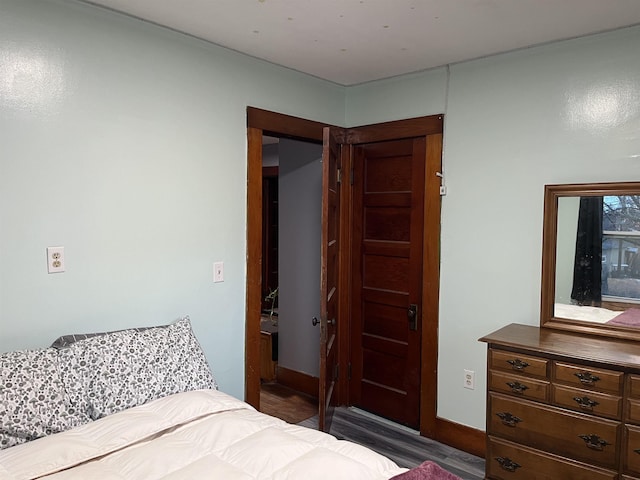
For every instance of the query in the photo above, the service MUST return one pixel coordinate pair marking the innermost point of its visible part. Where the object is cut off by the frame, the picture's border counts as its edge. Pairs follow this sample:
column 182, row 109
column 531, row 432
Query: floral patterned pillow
column 33, row 402
column 119, row 370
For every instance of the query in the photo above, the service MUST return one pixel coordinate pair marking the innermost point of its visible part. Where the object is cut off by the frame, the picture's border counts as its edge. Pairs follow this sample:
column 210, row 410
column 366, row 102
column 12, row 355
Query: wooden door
column 331, row 157
column 388, row 220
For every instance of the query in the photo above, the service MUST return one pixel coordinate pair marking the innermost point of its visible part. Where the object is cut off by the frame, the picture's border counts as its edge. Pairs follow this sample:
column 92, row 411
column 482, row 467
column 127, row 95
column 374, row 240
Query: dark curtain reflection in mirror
column 587, row 269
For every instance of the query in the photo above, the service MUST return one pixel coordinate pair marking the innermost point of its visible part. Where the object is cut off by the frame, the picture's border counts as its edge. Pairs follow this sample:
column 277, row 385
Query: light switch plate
column 218, row 272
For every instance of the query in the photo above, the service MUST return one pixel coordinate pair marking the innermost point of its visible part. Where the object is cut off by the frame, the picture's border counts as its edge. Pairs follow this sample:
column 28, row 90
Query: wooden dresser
column 562, row 406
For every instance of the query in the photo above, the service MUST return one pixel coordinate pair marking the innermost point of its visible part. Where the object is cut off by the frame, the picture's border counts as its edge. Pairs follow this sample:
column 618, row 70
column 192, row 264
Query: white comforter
column 193, row 435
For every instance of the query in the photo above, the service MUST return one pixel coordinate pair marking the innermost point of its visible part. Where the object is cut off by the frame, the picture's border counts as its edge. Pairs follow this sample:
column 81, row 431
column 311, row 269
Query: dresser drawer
column 506, row 461
column 589, row 378
column 519, row 385
column 580, row 436
column 514, row 362
column 602, row 404
column 633, row 411
column 632, row 453
column 634, row 386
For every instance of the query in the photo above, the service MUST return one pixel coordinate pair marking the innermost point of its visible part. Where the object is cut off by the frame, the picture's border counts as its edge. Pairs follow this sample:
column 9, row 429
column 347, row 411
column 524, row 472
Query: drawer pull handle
column 586, row 403
column 586, row 378
column 518, row 364
column 637, row 450
column 507, row 464
column 508, row 419
column 517, row 387
column 594, row 442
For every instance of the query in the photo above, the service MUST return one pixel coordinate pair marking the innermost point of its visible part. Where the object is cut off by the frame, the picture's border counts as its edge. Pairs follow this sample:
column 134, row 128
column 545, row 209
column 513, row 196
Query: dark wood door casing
column 253, row 305
column 262, row 121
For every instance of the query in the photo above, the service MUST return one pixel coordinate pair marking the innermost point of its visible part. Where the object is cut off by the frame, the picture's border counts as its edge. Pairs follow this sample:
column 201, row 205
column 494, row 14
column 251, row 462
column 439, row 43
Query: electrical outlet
column 469, row 379
column 55, row 259
column 218, row 272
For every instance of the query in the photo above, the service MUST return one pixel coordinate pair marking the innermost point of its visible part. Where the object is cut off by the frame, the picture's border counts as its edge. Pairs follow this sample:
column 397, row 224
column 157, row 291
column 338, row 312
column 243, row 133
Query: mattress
column 195, row 434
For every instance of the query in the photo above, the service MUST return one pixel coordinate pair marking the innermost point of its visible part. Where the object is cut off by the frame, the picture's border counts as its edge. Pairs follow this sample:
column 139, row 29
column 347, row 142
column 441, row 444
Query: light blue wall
column 408, row 96
column 126, row 144
column 560, row 113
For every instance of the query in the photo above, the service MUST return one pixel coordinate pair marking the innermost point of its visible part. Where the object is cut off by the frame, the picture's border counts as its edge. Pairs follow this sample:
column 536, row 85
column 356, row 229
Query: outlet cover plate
column 469, row 379
column 55, row 259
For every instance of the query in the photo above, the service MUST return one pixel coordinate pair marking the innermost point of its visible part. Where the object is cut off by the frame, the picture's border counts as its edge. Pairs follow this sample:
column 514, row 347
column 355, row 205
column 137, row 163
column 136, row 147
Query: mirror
column 591, row 259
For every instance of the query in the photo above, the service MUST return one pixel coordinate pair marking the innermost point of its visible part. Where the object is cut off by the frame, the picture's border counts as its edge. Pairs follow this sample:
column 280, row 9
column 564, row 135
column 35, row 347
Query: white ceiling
column 355, row 41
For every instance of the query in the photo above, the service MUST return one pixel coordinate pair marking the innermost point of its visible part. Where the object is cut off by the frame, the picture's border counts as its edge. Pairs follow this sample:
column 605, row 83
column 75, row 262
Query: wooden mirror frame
column 549, row 244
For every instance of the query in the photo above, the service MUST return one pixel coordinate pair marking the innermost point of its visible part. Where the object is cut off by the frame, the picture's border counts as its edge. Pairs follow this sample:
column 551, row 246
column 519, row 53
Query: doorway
column 291, row 228
column 259, row 122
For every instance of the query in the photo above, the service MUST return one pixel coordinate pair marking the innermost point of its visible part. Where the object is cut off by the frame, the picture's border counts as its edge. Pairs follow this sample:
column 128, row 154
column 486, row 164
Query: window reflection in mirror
column 597, row 276
column 620, row 246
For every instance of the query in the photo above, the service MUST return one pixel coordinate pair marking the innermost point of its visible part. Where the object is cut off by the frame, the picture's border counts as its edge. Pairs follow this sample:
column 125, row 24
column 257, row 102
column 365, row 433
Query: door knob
column 315, row 321
column 412, row 316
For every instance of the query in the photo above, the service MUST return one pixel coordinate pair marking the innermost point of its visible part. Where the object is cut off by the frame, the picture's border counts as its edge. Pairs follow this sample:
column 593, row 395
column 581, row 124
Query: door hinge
column 339, row 180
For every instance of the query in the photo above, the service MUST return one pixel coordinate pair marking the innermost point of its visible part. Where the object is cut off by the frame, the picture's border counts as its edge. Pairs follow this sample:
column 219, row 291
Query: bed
column 143, row 404
column 586, row 313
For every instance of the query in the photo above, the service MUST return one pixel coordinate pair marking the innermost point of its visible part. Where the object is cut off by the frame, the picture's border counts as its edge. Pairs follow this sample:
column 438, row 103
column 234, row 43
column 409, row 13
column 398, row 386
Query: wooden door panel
column 385, row 349
column 391, row 170
column 384, row 399
column 388, row 199
column 395, row 249
column 387, row 223
column 388, row 220
column 385, row 321
column 382, row 369
column 382, row 297
column 386, row 273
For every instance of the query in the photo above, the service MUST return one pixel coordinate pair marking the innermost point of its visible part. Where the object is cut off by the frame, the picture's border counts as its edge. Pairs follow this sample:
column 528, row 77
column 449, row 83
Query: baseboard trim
column 459, row 436
column 298, row 381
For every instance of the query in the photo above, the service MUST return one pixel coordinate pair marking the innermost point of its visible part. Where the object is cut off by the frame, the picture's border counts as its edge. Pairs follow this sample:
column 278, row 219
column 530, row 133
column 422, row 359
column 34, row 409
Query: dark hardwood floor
column 282, row 402
column 403, row 445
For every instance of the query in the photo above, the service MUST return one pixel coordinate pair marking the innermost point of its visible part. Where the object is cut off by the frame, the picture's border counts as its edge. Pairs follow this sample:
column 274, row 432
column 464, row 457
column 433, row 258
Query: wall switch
column 469, row 379
column 55, row 259
column 218, row 272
